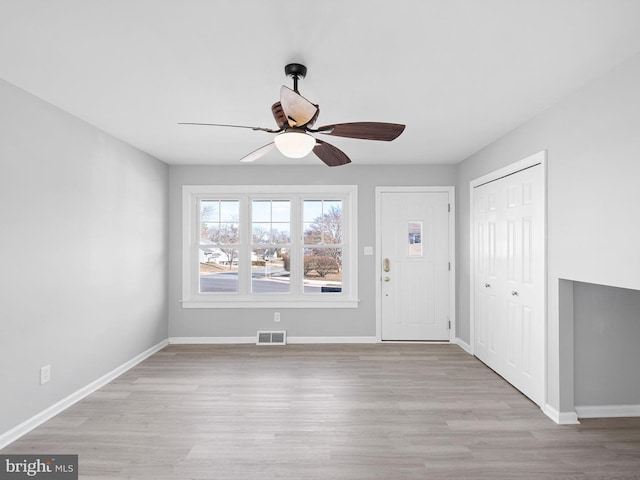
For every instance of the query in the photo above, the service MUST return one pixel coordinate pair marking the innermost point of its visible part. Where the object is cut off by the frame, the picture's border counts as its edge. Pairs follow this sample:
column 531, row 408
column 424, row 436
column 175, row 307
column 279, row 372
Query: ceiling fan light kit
column 295, row 115
column 295, row 143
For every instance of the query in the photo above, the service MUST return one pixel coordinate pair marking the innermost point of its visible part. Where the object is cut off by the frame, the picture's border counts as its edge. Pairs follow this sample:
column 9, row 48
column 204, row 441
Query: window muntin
column 267, row 232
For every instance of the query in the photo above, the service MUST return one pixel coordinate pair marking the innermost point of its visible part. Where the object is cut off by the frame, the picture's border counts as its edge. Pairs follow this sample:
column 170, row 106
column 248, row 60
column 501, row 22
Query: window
column 269, row 246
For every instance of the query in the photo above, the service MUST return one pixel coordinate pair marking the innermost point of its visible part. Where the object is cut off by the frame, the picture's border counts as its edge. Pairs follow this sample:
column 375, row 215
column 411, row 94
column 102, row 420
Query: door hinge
column 449, row 266
column 449, row 324
column 449, row 207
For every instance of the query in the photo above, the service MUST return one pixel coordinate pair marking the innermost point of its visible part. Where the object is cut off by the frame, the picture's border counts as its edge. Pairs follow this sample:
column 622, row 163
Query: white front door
column 509, row 278
column 414, row 250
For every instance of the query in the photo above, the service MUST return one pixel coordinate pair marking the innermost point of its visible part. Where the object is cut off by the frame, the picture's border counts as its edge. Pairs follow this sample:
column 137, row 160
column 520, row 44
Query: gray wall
column 241, row 322
column 83, row 249
column 593, row 170
column 607, row 357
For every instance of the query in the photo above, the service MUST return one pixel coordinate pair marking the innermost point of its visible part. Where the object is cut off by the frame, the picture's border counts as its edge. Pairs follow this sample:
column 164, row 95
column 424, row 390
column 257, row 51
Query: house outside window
column 270, row 246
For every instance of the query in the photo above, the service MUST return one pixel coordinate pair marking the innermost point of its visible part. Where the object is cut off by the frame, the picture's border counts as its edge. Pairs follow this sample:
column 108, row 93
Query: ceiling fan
column 295, row 115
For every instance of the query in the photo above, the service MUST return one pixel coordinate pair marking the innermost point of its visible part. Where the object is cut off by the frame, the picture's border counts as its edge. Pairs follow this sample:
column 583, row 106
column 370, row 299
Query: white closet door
column 488, row 280
column 508, row 278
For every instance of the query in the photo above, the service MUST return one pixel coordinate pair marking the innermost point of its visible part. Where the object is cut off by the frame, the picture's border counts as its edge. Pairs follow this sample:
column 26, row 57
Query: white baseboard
column 331, row 339
column 250, row 340
column 591, row 411
column 561, row 418
column 607, row 411
column 211, row 340
column 50, row 412
column 464, row 345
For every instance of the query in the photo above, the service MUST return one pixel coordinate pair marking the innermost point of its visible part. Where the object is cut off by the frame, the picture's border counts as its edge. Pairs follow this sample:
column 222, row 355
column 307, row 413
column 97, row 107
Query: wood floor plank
column 326, row 412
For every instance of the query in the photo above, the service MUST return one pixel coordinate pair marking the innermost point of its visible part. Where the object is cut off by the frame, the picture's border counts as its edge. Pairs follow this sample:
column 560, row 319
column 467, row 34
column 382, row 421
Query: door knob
column 386, row 279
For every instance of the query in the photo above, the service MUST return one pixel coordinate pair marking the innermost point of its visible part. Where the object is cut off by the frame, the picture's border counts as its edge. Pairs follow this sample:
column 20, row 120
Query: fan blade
column 332, row 156
column 256, row 154
column 262, row 129
column 364, row 130
column 299, row 110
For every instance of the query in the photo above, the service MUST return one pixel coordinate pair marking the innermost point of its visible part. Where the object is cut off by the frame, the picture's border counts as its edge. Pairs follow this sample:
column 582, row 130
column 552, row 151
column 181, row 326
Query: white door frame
column 535, row 159
column 450, row 190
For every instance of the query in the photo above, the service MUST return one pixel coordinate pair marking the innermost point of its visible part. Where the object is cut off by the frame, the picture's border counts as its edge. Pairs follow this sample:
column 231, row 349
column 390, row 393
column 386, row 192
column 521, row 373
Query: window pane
column 312, row 234
column 229, row 211
column 219, row 269
column 281, row 211
column 261, row 211
column 323, row 270
column 332, row 221
column 281, row 233
column 332, row 205
column 333, row 232
column 268, row 274
column 228, row 233
column 261, row 233
column 209, row 232
column 415, row 239
column 312, row 209
column 209, row 211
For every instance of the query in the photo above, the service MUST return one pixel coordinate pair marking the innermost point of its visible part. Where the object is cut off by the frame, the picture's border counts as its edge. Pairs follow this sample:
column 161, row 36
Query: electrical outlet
column 276, row 317
column 45, row 374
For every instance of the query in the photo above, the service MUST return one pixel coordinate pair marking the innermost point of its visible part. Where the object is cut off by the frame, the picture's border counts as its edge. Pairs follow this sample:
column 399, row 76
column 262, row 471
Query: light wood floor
column 352, row 412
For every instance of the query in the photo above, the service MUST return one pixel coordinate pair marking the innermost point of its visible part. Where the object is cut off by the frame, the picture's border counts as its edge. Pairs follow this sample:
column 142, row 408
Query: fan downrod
column 295, row 71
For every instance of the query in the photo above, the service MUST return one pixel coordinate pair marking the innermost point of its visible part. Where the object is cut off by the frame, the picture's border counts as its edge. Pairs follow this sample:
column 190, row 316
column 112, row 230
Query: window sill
column 241, row 303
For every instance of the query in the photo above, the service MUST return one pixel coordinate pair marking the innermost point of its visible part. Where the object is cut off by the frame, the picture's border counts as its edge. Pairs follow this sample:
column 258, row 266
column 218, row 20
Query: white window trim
column 192, row 298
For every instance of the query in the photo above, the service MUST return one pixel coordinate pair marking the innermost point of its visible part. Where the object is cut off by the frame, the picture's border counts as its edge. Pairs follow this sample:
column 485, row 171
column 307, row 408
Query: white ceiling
column 458, row 73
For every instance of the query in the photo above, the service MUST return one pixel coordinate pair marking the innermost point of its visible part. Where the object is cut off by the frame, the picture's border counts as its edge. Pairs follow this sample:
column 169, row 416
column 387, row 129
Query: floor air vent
column 272, row 338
